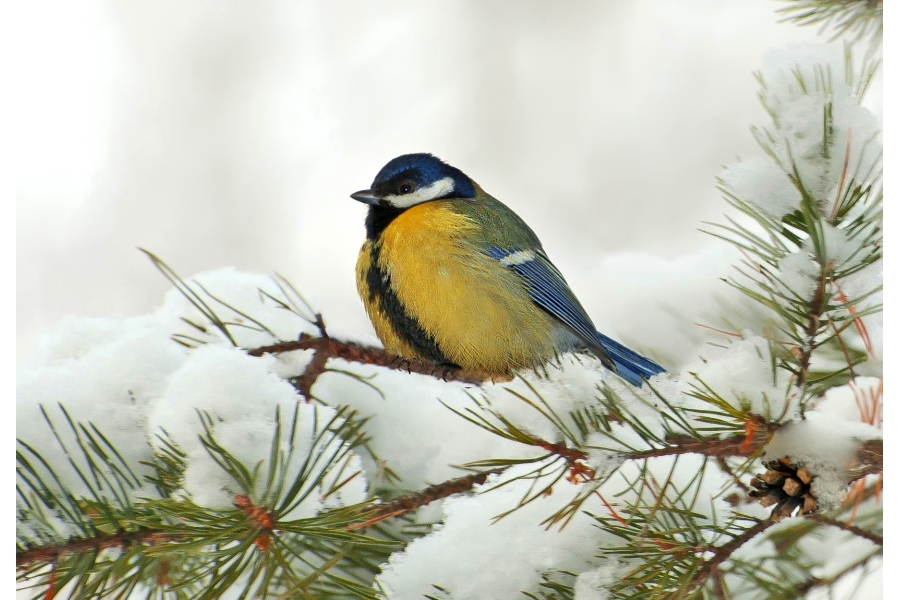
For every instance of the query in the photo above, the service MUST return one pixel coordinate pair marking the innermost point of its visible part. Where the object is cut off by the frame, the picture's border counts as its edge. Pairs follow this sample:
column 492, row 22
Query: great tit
column 448, row 274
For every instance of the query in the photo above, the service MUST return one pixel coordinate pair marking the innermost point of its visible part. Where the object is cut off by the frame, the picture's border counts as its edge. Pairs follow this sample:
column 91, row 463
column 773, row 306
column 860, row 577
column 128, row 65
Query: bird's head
column 415, row 178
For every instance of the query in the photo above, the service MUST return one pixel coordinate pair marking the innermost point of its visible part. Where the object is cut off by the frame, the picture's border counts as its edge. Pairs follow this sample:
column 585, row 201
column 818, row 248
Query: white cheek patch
column 517, row 258
column 439, row 188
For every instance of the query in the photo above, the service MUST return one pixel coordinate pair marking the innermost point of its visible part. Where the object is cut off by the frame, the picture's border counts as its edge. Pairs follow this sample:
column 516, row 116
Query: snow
column 845, row 252
column 477, row 558
column 827, row 440
column 824, row 452
column 412, row 432
column 799, row 273
column 106, row 371
column 800, row 136
column 345, row 335
column 594, row 584
column 565, row 387
column 847, row 404
column 873, row 323
column 437, row 439
column 864, row 582
column 234, row 296
column 742, row 374
column 763, row 183
column 826, row 552
column 91, row 364
column 241, row 395
column 291, row 364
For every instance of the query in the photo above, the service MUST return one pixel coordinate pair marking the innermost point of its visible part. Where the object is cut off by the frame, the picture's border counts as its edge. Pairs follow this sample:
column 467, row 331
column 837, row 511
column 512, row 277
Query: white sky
column 231, row 133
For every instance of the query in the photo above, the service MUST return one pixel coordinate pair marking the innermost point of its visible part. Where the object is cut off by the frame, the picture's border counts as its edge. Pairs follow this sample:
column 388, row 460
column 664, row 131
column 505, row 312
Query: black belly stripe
column 405, row 325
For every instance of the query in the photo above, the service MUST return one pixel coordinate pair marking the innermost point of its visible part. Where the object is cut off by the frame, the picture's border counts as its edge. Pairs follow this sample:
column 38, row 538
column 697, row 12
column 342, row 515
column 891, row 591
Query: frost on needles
column 230, row 445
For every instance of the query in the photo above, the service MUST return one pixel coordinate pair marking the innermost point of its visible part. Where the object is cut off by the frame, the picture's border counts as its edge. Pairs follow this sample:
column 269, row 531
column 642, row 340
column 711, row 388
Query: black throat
column 379, row 218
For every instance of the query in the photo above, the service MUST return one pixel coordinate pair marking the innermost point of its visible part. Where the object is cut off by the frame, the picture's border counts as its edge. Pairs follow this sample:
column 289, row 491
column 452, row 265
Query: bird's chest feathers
column 464, row 299
column 424, row 253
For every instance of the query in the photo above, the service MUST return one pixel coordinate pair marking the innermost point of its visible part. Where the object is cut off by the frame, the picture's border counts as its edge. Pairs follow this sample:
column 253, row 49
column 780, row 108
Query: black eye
column 406, row 187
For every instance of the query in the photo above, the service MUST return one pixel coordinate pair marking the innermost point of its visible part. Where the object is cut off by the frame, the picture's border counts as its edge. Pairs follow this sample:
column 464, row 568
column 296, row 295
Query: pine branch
column 212, row 547
column 870, row 455
column 722, row 553
column 327, row 347
column 405, row 504
column 726, row 468
column 572, row 455
column 815, row 582
column 262, row 520
column 858, row 531
column 51, row 553
column 842, row 15
column 816, row 310
column 714, row 447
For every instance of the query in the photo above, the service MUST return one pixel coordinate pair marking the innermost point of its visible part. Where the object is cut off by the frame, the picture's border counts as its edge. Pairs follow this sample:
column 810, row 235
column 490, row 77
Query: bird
column 452, row 276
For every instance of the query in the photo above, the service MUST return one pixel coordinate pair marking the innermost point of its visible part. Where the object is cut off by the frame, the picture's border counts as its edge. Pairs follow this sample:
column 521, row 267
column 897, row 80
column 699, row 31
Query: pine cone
column 785, row 485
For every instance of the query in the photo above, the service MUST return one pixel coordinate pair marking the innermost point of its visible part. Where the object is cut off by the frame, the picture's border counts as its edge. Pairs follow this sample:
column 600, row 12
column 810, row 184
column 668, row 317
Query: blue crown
column 422, row 169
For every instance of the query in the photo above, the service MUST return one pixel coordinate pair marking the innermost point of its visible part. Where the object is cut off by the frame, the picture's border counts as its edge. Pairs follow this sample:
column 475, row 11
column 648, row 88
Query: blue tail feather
column 633, row 367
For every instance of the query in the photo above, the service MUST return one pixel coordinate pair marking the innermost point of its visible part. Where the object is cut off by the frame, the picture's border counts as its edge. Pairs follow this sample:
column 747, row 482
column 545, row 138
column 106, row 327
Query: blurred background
column 218, row 133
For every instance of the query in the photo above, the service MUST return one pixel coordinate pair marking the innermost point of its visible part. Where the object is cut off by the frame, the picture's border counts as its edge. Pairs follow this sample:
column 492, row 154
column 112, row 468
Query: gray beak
column 366, row 197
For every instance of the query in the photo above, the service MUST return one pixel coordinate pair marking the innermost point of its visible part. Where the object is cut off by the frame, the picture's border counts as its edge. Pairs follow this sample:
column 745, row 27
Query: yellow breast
column 477, row 311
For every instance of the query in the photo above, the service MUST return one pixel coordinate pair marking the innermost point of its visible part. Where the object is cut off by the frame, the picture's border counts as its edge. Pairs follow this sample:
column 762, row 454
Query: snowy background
column 231, row 133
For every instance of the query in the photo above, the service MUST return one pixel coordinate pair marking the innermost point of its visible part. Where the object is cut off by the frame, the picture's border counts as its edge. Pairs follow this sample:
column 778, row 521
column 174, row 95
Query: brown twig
column 326, row 348
column 726, row 468
column 578, row 470
column 812, row 328
column 410, row 502
column 815, row 582
column 858, row 531
column 315, row 368
column 724, row 552
column 121, row 539
column 736, row 445
column 870, row 455
column 572, row 455
column 719, row 585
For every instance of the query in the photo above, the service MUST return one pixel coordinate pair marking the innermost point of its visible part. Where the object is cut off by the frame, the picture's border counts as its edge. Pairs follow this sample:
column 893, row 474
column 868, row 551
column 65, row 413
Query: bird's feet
column 402, row 361
column 446, row 368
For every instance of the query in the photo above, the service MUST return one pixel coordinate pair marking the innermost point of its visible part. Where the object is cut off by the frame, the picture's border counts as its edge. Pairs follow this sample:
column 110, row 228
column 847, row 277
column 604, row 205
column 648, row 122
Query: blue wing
column 549, row 290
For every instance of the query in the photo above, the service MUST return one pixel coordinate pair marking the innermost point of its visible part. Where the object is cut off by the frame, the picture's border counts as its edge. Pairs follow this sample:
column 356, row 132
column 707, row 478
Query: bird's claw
column 446, row 369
